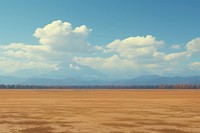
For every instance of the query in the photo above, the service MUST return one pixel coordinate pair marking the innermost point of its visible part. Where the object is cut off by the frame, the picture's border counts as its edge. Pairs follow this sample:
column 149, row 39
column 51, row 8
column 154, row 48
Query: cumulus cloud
column 131, row 55
column 137, row 55
column 177, row 56
column 10, row 65
column 61, row 36
column 128, row 54
column 23, row 56
column 135, row 46
column 111, row 63
column 23, row 51
column 194, row 45
column 115, row 66
column 60, row 43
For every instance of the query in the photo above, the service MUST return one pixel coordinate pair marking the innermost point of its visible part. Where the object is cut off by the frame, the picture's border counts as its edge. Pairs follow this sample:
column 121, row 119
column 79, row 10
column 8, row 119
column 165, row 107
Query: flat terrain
column 99, row 111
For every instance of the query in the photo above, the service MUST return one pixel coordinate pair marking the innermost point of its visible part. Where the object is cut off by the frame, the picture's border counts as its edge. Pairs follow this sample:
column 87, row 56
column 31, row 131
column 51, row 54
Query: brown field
column 99, row 111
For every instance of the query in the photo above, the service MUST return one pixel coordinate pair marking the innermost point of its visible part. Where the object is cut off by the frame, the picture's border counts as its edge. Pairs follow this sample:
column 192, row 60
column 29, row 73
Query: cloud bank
column 60, row 43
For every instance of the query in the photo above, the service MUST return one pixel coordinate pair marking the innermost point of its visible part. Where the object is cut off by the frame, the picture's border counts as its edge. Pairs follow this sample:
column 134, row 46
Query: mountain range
column 142, row 80
column 76, row 75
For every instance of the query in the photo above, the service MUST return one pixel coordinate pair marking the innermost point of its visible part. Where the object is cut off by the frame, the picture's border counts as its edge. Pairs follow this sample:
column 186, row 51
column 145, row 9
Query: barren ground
column 99, row 111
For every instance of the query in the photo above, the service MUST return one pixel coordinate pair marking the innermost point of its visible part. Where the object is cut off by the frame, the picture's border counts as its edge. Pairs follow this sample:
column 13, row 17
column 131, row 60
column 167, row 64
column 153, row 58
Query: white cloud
column 60, row 43
column 10, row 65
column 99, row 48
column 75, row 67
column 194, row 45
column 61, row 36
column 114, row 66
column 135, row 46
column 136, row 55
column 176, row 46
column 177, row 56
column 18, row 56
column 159, row 55
column 23, row 51
column 195, row 66
column 111, row 63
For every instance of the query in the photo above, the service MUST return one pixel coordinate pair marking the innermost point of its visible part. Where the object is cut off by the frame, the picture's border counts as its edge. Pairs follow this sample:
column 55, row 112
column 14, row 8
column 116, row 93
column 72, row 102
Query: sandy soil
column 99, row 111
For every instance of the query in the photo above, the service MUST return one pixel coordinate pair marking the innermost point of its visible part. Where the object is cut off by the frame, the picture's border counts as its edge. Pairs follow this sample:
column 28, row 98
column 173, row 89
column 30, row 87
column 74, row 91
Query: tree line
column 162, row 86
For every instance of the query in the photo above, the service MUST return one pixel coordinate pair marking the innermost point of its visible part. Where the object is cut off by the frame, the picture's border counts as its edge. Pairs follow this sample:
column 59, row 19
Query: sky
column 127, row 37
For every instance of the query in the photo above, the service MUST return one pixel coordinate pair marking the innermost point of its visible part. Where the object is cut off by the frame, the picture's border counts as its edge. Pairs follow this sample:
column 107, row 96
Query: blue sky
column 175, row 22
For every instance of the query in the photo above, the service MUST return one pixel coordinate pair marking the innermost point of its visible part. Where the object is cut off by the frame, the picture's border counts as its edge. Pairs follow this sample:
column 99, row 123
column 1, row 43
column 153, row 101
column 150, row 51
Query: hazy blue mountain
column 46, row 81
column 62, row 72
column 143, row 80
column 157, row 80
column 78, row 72
column 87, row 78
column 63, row 82
column 10, row 80
column 26, row 73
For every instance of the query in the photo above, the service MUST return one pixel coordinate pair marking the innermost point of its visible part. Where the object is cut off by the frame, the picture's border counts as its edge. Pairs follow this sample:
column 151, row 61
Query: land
column 99, row 111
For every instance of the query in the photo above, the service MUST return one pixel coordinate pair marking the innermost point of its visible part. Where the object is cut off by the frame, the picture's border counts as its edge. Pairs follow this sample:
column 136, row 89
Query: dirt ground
column 99, row 111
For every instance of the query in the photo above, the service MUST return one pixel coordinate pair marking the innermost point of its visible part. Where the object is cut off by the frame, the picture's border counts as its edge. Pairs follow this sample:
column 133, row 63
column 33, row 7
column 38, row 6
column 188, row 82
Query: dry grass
column 99, row 111
column 37, row 130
